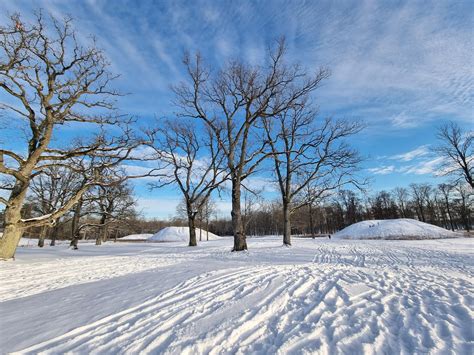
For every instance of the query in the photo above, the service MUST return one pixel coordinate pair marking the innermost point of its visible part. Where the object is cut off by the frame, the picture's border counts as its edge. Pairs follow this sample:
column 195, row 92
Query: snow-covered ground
column 402, row 228
column 319, row 296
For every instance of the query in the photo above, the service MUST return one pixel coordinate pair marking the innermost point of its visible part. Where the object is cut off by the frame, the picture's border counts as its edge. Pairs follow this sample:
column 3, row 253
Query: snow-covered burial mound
column 403, row 228
column 144, row 236
column 176, row 234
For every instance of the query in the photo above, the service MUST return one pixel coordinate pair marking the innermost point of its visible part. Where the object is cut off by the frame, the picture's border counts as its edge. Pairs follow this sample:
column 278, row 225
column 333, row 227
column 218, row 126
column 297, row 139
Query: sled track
column 289, row 309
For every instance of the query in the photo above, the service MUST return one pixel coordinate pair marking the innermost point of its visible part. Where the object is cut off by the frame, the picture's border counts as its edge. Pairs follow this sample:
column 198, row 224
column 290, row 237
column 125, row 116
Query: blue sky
column 403, row 67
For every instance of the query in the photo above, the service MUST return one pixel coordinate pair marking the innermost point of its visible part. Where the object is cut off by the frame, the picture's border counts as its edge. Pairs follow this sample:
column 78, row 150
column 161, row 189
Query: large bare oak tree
column 49, row 80
column 233, row 101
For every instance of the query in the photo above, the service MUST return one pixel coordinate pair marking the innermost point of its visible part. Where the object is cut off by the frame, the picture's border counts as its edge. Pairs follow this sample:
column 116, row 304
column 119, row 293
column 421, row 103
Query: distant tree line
column 444, row 205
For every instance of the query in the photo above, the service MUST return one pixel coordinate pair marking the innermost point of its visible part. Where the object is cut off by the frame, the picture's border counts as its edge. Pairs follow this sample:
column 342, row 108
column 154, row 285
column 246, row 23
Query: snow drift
column 137, row 237
column 177, row 234
column 403, row 228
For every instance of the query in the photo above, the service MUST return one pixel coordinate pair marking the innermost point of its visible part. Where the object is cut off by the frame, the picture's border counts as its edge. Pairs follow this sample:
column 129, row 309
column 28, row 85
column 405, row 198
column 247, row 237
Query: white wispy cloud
column 412, row 154
column 382, row 170
column 425, row 167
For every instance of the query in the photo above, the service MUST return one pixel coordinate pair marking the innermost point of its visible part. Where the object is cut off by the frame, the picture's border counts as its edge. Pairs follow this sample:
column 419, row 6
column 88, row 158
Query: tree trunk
column 103, row 230
column 311, row 224
column 75, row 225
column 240, row 242
column 207, row 229
column 422, row 214
column 42, row 236
column 75, row 240
column 12, row 218
column 200, row 230
column 449, row 215
column 54, row 234
column 9, row 241
column 286, row 224
column 192, row 230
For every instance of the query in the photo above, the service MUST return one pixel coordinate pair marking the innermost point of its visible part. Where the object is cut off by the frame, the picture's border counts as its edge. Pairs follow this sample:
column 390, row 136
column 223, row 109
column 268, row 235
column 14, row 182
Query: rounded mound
column 403, row 228
column 179, row 234
column 144, row 236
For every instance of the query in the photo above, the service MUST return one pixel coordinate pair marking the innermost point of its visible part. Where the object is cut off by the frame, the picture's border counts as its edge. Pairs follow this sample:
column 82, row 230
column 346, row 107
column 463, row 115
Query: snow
column 143, row 236
column 318, row 296
column 403, row 228
column 33, row 242
column 173, row 234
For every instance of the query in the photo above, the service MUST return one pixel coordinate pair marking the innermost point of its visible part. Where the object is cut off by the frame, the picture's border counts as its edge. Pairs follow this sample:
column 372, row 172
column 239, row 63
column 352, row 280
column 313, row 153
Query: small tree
column 307, row 154
column 464, row 202
column 402, row 198
column 112, row 203
column 191, row 161
column 49, row 191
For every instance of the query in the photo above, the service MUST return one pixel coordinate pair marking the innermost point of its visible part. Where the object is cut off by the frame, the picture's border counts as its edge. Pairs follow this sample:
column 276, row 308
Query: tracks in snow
column 289, row 309
column 370, row 255
column 19, row 280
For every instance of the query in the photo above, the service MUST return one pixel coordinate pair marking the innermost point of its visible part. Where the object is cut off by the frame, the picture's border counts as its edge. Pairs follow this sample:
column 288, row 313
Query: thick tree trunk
column 54, row 234
column 12, row 222
column 103, row 230
column 75, row 240
column 286, row 224
column 10, row 239
column 192, row 230
column 75, row 225
column 12, row 231
column 240, row 242
column 42, row 236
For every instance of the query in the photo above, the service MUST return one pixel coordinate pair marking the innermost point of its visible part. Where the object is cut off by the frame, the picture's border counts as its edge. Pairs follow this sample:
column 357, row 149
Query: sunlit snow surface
column 319, row 296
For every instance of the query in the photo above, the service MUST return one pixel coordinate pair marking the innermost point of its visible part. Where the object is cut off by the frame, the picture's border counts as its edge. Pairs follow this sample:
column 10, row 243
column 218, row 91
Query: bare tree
column 51, row 81
column 233, row 102
column 457, row 150
column 205, row 213
column 191, row 161
column 402, row 197
column 49, row 191
column 307, row 154
column 420, row 194
column 464, row 204
column 446, row 191
column 112, row 203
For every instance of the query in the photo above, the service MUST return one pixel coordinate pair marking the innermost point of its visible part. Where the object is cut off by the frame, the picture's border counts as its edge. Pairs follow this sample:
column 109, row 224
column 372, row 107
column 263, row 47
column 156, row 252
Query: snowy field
column 319, row 296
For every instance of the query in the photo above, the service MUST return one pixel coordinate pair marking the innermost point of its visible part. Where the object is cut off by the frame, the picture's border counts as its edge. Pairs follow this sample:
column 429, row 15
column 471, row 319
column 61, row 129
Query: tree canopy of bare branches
column 309, row 157
column 190, row 160
column 233, row 101
column 457, row 150
column 49, row 80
